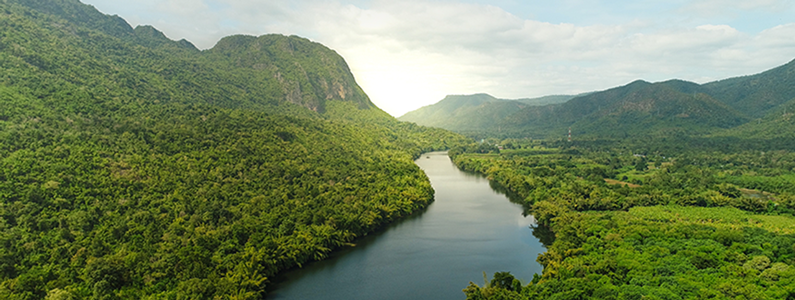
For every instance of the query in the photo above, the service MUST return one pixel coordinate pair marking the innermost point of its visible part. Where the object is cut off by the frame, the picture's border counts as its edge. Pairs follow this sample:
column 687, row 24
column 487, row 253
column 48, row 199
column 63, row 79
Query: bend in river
column 468, row 230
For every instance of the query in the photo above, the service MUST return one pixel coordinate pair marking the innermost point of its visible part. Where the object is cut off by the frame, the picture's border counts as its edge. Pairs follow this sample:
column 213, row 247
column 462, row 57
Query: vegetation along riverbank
column 133, row 166
column 647, row 221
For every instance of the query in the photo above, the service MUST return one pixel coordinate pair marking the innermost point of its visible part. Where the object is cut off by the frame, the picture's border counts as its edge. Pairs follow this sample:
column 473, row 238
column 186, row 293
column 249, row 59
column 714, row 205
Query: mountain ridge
column 638, row 108
column 133, row 166
column 475, row 111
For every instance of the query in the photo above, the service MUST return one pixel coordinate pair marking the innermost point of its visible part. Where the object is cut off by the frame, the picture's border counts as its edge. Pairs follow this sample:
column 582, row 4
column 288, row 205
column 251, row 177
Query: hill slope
column 133, row 166
column 777, row 124
column 759, row 94
column 662, row 109
column 639, row 108
column 470, row 113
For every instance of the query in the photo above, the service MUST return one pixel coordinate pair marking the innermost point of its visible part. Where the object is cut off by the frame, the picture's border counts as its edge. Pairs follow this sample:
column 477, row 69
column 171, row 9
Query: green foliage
column 670, row 109
column 504, row 280
column 192, row 197
column 132, row 166
column 471, row 114
column 641, row 166
column 775, row 125
column 619, row 255
column 757, row 95
column 691, row 230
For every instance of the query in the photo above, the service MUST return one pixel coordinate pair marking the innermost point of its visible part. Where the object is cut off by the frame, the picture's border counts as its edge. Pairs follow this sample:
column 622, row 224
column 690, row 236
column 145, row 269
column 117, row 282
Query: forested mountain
column 673, row 107
column 757, row 95
column 134, row 166
column 239, row 72
column 472, row 113
column 666, row 108
column 551, row 99
column 777, row 124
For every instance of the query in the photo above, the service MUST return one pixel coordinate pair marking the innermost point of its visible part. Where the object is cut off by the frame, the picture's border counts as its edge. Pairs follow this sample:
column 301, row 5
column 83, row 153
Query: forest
column 744, row 106
column 631, row 220
column 136, row 167
column 133, row 166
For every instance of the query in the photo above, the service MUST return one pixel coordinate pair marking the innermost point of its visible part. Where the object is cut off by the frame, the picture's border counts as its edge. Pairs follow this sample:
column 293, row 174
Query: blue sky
column 407, row 54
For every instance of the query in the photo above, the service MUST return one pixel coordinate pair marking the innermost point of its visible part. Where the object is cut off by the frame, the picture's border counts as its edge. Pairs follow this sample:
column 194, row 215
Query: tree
column 641, row 166
column 503, row 280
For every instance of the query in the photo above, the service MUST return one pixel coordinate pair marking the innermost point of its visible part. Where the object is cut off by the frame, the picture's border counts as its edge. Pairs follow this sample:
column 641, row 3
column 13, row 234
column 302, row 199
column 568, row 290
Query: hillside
column 472, row 113
column 262, row 73
column 640, row 108
column 662, row 109
column 544, row 100
column 552, row 120
column 759, row 94
column 134, row 166
column 777, row 124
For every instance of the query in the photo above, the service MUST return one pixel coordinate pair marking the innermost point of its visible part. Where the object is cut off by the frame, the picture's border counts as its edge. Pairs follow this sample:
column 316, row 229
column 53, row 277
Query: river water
column 469, row 229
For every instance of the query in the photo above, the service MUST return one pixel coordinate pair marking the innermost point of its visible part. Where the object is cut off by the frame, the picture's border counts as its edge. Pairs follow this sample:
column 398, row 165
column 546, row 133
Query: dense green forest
column 639, row 109
column 133, row 166
column 644, row 220
column 136, row 167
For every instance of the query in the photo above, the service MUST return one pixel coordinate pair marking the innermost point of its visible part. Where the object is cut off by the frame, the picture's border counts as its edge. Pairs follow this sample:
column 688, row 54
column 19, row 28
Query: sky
column 407, row 54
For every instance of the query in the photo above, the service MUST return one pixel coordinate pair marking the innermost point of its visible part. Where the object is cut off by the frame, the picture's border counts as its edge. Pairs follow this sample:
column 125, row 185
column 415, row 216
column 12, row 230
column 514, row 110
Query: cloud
column 481, row 48
column 719, row 7
column 778, row 37
column 406, row 54
column 184, row 8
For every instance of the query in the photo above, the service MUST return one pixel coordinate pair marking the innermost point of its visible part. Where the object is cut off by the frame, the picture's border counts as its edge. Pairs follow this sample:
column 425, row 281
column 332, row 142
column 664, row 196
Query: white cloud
column 407, row 54
column 782, row 36
column 184, row 8
column 717, row 7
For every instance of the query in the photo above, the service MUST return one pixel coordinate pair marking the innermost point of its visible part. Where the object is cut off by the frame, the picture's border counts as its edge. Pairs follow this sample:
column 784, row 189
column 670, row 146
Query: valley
column 470, row 228
column 136, row 166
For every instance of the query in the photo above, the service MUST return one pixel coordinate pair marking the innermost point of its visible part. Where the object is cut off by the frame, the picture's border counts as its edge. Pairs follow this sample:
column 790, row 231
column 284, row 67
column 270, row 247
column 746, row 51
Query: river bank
column 469, row 229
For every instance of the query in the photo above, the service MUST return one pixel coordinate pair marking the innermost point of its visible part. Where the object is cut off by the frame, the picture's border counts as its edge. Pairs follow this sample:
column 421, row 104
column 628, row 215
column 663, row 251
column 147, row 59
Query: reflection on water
column 471, row 228
column 543, row 234
column 513, row 197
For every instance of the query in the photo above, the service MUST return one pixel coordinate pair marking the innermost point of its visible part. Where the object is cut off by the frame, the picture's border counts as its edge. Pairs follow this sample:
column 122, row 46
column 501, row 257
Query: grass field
column 717, row 216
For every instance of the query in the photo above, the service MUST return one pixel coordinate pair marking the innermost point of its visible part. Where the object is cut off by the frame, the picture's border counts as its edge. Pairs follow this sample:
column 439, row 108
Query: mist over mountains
column 474, row 112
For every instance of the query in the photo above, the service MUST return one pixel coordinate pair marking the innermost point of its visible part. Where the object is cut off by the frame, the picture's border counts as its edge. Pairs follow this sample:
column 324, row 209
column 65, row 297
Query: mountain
column 663, row 108
column 777, row 124
column 544, row 100
column 305, row 74
column 673, row 107
column 261, row 73
column 545, row 120
column 134, row 166
column 759, row 94
column 466, row 113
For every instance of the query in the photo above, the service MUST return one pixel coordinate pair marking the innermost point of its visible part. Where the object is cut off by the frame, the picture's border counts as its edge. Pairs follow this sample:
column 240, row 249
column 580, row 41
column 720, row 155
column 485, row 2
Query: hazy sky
column 407, row 54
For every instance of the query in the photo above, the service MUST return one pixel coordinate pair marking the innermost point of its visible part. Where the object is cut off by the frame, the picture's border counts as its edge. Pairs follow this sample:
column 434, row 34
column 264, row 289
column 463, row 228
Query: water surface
column 468, row 230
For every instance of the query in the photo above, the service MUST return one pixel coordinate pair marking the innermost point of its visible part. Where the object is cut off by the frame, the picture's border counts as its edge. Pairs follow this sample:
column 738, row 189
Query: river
column 469, row 229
